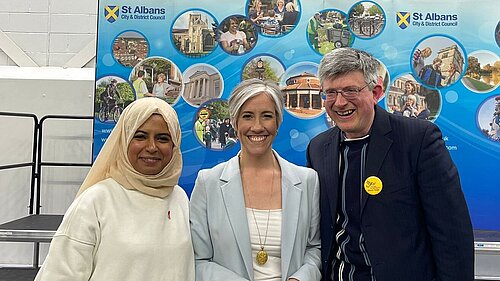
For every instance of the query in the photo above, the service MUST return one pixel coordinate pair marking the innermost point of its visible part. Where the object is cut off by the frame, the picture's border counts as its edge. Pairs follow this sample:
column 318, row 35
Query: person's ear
column 378, row 92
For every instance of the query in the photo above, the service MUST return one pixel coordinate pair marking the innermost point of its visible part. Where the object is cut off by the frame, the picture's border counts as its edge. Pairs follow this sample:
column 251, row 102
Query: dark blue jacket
column 418, row 227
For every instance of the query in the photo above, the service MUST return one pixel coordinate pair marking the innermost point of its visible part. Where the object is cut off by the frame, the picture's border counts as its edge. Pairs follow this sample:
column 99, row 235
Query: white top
column 160, row 89
column 271, row 270
column 229, row 37
column 111, row 233
column 234, row 41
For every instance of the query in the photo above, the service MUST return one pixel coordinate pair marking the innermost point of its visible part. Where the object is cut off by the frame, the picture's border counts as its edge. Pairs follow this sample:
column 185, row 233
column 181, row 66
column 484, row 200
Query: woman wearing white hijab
column 130, row 220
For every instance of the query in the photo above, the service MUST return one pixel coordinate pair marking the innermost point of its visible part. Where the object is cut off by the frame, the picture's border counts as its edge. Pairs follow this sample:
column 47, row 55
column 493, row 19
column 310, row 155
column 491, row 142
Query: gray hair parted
column 342, row 61
column 250, row 88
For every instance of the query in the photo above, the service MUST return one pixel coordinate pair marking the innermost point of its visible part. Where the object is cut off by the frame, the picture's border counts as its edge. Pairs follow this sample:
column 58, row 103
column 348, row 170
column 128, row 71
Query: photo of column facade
column 202, row 86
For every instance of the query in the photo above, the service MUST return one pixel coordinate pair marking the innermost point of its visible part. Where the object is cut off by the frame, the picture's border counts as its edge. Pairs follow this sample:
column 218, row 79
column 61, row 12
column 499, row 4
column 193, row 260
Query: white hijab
column 113, row 162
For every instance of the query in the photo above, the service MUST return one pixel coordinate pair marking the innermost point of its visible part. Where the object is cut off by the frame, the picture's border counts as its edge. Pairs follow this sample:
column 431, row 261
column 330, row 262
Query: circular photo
column 264, row 67
column 274, row 17
column 409, row 98
column 212, row 127
column 383, row 78
column 438, row 61
column 157, row 77
column 328, row 30
column 497, row 34
column 366, row 19
column 112, row 95
column 488, row 118
column 202, row 82
column 193, row 33
column 483, row 72
column 237, row 35
column 130, row 48
column 301, row 90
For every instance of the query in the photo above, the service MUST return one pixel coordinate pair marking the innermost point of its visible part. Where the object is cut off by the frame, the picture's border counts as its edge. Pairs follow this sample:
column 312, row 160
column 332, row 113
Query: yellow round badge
column 373, row 185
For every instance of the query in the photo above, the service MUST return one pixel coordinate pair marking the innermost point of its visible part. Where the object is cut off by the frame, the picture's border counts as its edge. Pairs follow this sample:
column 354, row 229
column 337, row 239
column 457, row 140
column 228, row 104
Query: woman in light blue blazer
column 256, row 216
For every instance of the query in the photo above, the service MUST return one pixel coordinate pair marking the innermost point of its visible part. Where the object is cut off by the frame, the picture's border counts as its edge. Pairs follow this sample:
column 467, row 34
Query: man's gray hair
column 342, row 61
column 251, row 88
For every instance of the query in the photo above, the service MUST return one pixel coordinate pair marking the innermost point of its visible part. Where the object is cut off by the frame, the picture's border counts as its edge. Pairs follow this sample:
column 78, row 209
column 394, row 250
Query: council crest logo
column 403, row 19
column 111, row 13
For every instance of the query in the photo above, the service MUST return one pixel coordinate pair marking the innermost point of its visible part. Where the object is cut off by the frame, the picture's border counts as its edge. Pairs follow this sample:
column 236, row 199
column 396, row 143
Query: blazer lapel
column 232, row 195
column 332, row 171
column 378, row 147
column 291, row 198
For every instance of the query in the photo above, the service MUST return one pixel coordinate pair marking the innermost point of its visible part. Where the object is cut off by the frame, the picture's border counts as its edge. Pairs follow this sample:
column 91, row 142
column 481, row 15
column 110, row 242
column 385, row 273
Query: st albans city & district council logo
column 405, row 19
column 113, row 13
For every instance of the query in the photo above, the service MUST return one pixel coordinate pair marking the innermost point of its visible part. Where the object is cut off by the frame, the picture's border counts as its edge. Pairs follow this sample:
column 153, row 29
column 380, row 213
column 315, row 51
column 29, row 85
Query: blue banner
column 440, row 62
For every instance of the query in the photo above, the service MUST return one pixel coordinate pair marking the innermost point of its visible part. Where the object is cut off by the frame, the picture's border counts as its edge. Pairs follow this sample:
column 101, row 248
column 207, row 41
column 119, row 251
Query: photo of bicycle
column 113, row 95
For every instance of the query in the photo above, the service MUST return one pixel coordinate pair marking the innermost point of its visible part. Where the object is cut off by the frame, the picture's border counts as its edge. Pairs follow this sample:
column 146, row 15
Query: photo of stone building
column 193, row 34
column 202, row 83
column 452, row 59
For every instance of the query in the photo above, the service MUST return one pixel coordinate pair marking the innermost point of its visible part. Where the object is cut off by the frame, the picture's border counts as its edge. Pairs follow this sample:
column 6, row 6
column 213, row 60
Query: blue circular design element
column 108, row 60
column 159, row 44
column 451, row 96
column 390, row 52
column 294, row 133
column 289, row 54
column 300, row 142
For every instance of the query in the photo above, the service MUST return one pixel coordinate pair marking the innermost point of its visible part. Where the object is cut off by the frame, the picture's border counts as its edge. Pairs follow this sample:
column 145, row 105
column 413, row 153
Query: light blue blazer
column 219, row 225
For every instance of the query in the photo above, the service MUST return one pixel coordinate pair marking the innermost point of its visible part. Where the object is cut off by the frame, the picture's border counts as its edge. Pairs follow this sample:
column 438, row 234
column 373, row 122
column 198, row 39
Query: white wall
column 37, row 39
column 47, row 32
column 42, row 91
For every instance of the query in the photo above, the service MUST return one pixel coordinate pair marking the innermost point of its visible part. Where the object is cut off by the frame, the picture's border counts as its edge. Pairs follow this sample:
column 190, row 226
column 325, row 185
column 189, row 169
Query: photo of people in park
column 113, row 94
column 483, row 72
column 202, row 82
column 263, row 68
column 488, row 118
column 407, row 97
column 130, row 48
column 327, row 30
column 237, row 35
column 301, row 90
column 157, row 77
column 438, row 61
column 193, row 33
column 212, row 126
column 274, row 17
column 366, row 20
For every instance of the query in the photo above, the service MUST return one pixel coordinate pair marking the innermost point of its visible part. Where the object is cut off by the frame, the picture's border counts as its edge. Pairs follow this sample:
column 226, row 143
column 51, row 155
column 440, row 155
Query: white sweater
column 111, row 233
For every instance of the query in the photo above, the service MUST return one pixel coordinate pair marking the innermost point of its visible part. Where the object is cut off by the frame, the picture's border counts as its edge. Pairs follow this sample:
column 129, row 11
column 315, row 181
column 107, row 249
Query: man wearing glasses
column 392, row 208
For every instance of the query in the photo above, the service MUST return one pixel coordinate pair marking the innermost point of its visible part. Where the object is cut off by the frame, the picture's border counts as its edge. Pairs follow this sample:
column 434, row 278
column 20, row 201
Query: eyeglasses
column 348, row 93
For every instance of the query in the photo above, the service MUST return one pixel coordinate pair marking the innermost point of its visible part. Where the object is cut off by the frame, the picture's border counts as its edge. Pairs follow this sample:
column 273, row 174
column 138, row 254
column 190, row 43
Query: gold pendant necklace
column 261, row 257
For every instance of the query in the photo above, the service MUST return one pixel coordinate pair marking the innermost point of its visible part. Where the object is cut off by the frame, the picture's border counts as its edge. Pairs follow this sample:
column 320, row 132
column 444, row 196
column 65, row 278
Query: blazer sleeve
column 206, row 268
column 72, row 248
column 311, row 268
column 445, row 210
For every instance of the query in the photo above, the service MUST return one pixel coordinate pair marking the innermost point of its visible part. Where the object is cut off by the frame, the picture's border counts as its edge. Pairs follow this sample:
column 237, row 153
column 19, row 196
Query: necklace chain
column 268, row 211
